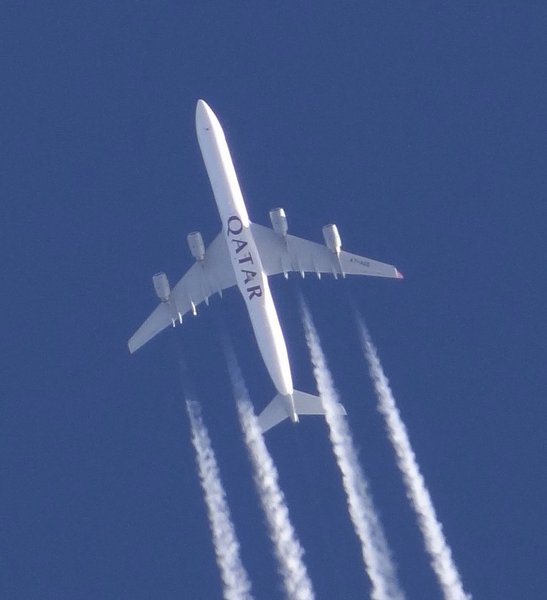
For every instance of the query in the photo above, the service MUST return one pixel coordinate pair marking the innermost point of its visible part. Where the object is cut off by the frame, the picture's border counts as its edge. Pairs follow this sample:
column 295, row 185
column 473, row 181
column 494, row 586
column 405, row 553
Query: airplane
column 246, row 254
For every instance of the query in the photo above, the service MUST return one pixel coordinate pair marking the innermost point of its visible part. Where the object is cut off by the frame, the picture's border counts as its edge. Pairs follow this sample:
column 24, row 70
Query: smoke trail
column 287, row 548
column 434, row 540
column 234, row 577
column 288, row 551
column 374, row 548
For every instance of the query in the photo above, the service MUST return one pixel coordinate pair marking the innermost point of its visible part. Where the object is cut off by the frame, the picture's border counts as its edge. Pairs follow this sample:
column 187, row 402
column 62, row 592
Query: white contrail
column 235, row 580
column 374, row 547
column 287, row 548
column 434, row 540
column 288, row 551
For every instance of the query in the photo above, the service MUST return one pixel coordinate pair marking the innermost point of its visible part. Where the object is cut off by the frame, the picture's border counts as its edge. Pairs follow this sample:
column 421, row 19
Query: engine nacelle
column 161, row 285
column 195, row 243
column 332, row 238
column 279, row 221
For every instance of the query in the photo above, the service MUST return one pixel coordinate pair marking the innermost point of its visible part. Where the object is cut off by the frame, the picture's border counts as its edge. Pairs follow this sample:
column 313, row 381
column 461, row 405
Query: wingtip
column 398, row 274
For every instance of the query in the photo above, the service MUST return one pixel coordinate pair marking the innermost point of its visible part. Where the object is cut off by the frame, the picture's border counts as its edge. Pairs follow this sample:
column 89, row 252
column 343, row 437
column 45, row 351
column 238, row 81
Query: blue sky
column 419, row 128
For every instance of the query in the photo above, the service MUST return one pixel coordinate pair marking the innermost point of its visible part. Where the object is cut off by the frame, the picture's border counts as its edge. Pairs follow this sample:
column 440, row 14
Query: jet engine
column 161, row 285
column 195, row 243
column 279, row 221
column 332, row 238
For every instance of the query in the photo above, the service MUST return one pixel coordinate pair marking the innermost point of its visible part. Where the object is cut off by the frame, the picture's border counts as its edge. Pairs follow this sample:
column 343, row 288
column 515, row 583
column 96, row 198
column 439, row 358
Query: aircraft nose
column 203, row 115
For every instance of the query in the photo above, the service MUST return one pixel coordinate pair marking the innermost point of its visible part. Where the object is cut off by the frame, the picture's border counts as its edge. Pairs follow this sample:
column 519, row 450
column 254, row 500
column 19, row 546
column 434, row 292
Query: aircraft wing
column 290, row 253
column 213, row 274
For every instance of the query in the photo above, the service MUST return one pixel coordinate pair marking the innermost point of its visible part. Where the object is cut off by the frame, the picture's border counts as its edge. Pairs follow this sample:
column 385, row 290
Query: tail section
column 283, row 407
column 274, row 413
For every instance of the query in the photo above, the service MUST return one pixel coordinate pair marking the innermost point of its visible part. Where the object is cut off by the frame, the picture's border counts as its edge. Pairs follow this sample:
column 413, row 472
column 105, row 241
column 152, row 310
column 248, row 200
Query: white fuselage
column 250, row 276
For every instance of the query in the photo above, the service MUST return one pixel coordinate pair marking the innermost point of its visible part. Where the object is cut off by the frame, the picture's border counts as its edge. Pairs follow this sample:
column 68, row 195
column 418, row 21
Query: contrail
column 374, row 547
column 288, row 551
column 434, row 540
column 235, row 580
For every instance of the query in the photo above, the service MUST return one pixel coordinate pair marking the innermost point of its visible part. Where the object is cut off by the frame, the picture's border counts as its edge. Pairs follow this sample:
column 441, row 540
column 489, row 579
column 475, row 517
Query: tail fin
column 278, row 410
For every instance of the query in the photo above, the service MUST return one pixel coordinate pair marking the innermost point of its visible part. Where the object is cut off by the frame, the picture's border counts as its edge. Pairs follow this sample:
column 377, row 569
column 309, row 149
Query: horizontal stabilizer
column 274, row 413
column 304, row 404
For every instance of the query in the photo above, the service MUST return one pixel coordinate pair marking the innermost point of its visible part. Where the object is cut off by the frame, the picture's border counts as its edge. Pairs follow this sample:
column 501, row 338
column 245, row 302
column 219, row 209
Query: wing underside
column 205, row 278
column 290, row 253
